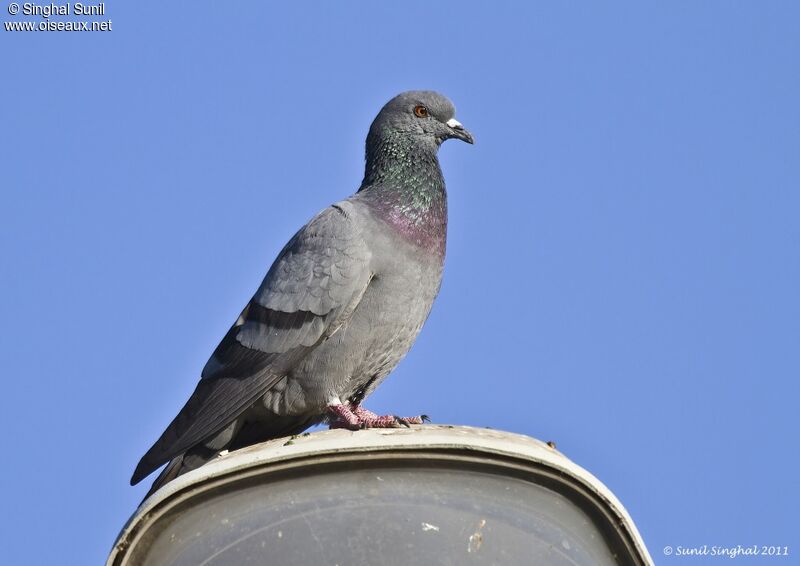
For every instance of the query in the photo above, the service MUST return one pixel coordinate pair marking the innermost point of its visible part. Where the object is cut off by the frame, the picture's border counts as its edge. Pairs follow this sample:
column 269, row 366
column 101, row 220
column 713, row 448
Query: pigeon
column 339, row 308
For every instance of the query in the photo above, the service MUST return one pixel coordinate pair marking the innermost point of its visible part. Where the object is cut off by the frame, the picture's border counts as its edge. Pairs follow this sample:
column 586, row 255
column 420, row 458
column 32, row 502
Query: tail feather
column 240, row 434
column 169, row 473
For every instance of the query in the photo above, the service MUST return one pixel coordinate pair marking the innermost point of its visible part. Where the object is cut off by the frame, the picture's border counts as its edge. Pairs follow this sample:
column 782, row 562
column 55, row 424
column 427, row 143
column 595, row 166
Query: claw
column 355, row 417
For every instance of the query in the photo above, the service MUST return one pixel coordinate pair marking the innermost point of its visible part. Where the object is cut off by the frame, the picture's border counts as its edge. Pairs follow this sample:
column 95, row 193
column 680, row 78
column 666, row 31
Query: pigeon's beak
column 458, row 131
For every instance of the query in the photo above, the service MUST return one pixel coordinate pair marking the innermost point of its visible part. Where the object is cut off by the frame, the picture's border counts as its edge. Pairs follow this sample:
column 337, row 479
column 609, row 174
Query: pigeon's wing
column 309, row 293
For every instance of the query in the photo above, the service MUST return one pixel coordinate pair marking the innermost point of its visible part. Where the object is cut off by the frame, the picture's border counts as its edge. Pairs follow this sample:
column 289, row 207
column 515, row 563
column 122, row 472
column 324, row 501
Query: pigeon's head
column 422, row 115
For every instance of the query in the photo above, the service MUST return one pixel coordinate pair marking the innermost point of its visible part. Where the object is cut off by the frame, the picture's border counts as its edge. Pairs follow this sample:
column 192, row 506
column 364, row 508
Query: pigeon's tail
column 186, row 462
column 169, row 473
column 247, row 433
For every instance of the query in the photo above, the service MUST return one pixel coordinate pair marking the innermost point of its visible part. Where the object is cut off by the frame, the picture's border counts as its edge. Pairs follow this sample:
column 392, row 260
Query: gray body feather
column 339, row 308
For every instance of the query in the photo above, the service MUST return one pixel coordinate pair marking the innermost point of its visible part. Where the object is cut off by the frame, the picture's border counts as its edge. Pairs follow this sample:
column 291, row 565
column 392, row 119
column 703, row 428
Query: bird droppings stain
column 280, row 534
column 378, row 478
column 428, row 527
column 565, row 544
column 551, row 444
column 476, row 538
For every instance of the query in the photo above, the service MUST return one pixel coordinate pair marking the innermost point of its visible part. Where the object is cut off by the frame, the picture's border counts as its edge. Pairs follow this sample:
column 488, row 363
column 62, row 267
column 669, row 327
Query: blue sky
column 623, row 259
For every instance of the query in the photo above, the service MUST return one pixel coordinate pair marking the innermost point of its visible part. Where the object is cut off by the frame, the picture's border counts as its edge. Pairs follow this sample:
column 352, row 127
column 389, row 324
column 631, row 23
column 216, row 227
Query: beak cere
column 459, row 131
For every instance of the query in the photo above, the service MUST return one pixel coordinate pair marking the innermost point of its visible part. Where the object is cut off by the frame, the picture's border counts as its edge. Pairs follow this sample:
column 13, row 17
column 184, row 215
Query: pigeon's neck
column 403, row 184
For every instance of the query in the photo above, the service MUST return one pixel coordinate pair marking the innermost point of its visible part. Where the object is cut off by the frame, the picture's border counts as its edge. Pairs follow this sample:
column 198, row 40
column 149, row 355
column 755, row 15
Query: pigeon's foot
column 355, row 417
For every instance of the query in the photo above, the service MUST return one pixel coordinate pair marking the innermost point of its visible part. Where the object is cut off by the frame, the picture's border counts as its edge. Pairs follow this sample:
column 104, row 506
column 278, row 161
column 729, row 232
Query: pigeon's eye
column 421, row 111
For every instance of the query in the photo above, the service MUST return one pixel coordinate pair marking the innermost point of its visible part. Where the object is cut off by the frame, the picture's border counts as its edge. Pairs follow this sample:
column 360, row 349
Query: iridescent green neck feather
column 403, row 184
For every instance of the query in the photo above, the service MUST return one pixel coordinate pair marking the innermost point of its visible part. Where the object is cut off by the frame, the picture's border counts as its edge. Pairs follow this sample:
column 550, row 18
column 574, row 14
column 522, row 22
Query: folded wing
column 309, row 293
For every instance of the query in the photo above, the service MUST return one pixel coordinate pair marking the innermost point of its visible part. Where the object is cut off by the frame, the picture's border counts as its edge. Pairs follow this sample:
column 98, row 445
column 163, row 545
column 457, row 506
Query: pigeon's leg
column 354, row 417
column 366, row 414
